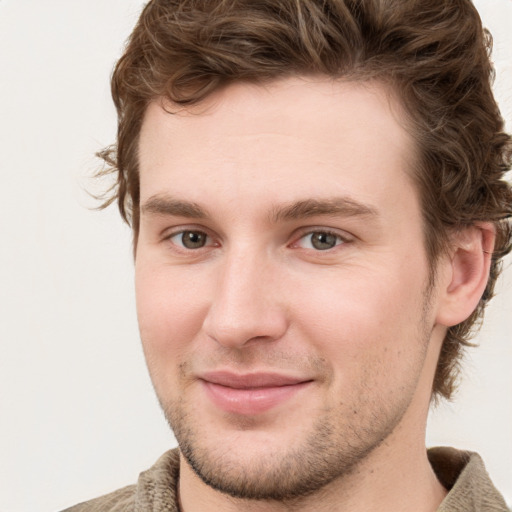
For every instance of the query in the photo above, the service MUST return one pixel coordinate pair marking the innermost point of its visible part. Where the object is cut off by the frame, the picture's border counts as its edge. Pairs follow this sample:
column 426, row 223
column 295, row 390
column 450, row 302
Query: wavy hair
column 435, row 54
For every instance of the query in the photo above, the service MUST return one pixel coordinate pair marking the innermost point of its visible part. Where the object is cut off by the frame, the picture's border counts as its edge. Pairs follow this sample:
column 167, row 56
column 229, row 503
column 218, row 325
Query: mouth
column 250, row 394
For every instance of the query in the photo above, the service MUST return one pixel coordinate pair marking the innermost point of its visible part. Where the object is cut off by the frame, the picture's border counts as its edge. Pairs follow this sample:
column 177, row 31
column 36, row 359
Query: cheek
column 170, row 311
column 373, row 340
column 362, row 315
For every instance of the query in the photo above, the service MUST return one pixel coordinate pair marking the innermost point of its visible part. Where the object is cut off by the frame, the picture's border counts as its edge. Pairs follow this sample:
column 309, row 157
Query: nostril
column 244, row 330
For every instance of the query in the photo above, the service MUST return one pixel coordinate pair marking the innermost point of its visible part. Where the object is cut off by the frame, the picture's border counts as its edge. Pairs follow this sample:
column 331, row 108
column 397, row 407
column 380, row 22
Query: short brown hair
column 434, row 52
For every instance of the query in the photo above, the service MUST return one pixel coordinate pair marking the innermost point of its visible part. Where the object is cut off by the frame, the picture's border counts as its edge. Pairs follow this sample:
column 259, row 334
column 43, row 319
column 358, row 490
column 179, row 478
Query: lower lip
column 251, row 401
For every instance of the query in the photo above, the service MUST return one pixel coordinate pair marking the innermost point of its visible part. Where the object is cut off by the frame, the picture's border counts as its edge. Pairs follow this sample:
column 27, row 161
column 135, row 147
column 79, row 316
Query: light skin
column 284, row 297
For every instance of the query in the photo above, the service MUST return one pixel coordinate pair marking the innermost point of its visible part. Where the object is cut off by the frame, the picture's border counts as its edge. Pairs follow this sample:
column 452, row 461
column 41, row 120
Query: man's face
column 282, row 283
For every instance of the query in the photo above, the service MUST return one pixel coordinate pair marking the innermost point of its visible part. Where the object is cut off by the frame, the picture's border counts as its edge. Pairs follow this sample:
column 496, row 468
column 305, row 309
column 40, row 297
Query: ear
column 465, row 272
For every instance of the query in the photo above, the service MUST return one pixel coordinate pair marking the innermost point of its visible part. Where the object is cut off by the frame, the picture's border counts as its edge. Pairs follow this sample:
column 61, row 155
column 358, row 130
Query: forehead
column 297, row 134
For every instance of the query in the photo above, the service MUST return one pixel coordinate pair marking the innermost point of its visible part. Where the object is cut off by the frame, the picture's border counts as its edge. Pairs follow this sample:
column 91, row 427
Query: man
column 319, row 212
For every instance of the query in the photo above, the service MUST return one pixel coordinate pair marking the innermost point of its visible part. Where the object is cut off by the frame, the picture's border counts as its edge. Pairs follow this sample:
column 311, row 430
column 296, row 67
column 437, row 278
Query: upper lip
column 251, row 380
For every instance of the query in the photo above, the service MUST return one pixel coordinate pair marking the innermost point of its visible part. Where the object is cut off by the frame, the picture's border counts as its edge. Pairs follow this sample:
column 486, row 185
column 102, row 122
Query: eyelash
column 339, row 240
column 181, row 233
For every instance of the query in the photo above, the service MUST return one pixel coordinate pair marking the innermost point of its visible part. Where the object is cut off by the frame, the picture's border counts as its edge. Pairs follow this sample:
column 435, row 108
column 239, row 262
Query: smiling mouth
column 250, row 394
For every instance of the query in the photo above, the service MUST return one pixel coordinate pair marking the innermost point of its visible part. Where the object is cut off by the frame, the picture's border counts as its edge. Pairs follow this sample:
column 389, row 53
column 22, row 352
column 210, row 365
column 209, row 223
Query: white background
column 77, row 413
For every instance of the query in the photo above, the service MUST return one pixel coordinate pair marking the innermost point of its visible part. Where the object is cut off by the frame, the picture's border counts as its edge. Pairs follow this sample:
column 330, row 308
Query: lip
column 250, row 394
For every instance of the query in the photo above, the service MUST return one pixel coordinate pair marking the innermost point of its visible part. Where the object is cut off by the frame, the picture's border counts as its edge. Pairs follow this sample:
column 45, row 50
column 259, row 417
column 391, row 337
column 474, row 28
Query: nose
column 246, row 305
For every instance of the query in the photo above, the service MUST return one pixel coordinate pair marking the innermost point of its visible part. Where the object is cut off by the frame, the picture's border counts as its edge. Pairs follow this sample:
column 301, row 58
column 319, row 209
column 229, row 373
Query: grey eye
column 320, row 240
column 323, row 241
column 191, row 239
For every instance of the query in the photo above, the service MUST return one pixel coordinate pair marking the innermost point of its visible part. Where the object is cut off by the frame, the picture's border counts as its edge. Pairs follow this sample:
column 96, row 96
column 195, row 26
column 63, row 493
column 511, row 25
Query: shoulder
column 122, row 500
column 155, row 490
column 464, row 475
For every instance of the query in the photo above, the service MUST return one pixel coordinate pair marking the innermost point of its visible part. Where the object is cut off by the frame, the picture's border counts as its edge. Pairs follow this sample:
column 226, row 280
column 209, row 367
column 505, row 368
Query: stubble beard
column 296, row 473
column 334, row 448
column 330, row 451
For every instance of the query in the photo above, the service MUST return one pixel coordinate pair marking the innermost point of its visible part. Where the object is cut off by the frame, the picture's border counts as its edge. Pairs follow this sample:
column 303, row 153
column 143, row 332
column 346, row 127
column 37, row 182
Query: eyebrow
column 335, row 206
column 166, row 205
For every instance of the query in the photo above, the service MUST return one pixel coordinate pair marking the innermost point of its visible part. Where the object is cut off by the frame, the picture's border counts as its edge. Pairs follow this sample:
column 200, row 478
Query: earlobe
column 468, row 273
